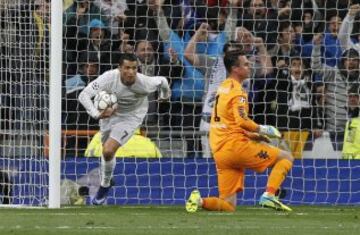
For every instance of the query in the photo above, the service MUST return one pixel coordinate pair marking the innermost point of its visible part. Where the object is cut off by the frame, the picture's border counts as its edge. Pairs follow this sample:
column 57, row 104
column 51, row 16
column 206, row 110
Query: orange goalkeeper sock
column 277, row 175
column 217, row 204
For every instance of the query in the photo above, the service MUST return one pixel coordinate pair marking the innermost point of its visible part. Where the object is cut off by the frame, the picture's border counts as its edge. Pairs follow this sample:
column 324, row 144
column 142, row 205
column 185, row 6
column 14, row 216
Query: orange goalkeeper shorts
column 236, row 156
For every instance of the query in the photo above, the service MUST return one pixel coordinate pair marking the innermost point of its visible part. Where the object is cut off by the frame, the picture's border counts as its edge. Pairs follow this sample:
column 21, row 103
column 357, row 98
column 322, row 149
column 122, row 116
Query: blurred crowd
column 305, row 57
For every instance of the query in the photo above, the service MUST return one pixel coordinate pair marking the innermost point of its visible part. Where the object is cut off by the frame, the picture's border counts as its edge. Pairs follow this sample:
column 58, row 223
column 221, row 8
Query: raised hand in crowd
column 155, row 5
column 245, row 37
column 354, row 10
column 202, row 33
column 285, row 11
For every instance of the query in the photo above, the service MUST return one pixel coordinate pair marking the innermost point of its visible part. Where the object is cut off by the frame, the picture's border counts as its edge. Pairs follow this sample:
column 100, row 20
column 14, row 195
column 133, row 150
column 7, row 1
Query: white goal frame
column 55, row 100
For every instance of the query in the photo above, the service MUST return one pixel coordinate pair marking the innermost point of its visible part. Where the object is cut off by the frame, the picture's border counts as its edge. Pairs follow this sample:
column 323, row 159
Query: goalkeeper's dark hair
column 127, row 56
column 231, row 59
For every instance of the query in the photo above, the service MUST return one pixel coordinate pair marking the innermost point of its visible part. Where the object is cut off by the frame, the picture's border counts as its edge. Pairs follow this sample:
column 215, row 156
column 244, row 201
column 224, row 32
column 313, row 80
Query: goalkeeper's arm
column 241, row 116
column 257, row 137
column 269, row 131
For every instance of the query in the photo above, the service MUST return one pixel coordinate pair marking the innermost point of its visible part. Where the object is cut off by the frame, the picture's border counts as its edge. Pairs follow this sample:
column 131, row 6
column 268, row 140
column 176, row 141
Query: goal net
column 304, row 81
column 24, row 76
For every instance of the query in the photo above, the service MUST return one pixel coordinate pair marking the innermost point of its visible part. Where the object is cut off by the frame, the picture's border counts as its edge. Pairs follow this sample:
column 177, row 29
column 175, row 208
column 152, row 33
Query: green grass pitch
column 174, row 220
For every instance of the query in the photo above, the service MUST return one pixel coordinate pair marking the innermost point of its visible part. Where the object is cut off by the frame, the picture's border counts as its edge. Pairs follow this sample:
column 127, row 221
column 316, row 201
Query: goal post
column 29, row 111
column 55, row 107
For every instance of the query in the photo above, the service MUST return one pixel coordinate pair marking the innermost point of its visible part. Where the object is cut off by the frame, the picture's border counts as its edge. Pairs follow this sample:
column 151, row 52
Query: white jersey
column 132, row 100
column 216, row 76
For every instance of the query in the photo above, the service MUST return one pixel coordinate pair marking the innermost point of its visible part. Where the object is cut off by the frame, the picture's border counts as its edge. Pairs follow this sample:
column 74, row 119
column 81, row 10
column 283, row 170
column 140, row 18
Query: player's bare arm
column 108, row 112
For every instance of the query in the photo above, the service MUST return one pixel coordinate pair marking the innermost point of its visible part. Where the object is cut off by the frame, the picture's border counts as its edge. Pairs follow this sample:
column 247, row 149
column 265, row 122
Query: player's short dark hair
column 127, row 56
column 231, row 59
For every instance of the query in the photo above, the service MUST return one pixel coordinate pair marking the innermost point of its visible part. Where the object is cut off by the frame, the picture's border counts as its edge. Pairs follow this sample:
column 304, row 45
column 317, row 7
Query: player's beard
column 128, row 82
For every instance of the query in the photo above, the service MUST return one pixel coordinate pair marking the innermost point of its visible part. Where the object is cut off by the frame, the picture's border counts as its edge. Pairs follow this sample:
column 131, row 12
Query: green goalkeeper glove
column 269, row 131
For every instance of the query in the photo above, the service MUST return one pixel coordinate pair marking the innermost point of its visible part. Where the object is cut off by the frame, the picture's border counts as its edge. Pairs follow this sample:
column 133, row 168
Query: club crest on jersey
column 95, row 86
column 242, row 99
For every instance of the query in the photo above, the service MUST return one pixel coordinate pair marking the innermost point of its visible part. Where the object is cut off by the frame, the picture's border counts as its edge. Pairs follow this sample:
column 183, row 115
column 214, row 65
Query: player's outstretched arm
column 148, row 84
column 165, row 90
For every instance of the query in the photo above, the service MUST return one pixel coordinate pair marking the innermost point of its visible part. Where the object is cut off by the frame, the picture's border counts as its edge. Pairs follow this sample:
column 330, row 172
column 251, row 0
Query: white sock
column 107, row 171
column 201, row 202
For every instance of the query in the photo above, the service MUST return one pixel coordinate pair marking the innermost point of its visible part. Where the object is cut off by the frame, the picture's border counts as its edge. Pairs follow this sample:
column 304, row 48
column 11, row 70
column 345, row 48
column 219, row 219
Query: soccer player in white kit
column 118, row 124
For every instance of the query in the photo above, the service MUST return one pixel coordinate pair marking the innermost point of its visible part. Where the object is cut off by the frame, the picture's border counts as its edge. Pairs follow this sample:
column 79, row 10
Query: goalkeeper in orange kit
column 238, row 143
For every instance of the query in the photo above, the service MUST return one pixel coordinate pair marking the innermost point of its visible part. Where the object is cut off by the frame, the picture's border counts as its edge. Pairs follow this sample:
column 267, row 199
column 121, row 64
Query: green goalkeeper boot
column 194, row 201
column 272, row 202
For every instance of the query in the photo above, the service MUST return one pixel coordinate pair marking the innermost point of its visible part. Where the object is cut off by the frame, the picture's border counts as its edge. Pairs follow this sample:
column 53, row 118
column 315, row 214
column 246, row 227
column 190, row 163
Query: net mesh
column 24, row 102
column 300, row 52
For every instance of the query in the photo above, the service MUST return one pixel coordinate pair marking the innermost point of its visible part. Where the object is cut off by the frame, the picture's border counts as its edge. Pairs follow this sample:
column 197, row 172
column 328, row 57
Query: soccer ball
column 104, row 100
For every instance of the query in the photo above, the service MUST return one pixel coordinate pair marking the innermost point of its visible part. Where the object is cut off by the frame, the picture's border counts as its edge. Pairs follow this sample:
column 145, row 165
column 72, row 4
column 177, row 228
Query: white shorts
column 120, row 129
column 206, row 151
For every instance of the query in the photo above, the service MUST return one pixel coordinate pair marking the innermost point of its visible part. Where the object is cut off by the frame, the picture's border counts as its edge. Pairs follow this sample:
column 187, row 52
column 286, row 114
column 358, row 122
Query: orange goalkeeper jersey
column 229, row 119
